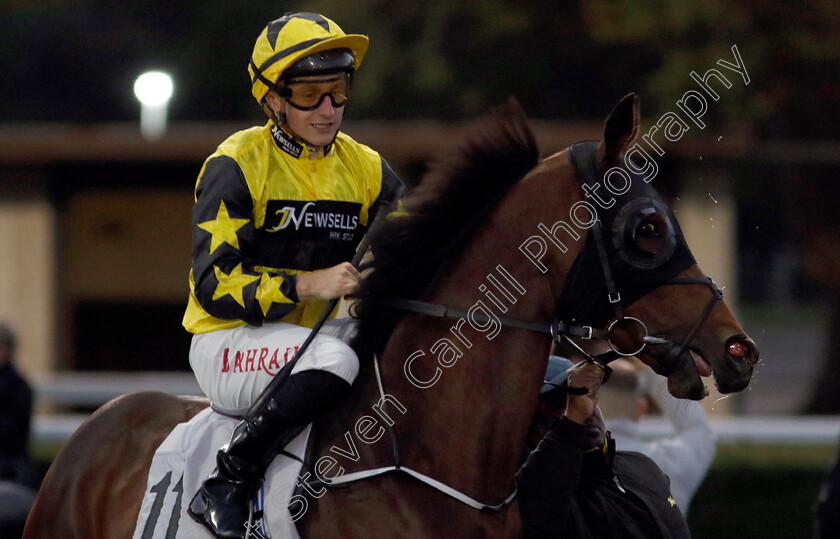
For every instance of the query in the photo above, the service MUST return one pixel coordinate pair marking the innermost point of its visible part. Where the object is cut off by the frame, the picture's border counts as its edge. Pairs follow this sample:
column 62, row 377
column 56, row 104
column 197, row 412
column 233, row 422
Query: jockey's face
column 318, row 126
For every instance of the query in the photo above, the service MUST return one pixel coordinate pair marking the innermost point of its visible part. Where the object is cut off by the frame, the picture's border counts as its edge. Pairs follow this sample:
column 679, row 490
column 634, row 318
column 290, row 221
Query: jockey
column 279, row 211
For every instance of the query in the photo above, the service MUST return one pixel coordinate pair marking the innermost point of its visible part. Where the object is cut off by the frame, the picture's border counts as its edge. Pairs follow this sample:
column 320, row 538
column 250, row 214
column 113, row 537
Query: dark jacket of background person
column 18, row 479
column 827, row 522
column 564, row 492
column 15, row 418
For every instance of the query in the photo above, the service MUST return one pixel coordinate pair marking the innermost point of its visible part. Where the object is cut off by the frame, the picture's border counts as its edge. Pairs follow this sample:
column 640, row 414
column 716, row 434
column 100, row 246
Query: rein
column 555, row 328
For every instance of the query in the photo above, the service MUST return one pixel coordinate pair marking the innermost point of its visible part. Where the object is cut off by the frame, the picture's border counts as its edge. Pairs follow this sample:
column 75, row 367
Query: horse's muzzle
column 734, row 371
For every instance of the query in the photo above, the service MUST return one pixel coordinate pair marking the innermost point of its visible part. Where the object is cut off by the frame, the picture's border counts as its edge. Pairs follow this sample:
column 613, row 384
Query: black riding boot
column 223, row 502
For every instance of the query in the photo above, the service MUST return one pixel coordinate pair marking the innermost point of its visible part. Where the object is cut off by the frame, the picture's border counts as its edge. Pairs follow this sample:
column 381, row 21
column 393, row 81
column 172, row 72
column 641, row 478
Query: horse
column 464, row 296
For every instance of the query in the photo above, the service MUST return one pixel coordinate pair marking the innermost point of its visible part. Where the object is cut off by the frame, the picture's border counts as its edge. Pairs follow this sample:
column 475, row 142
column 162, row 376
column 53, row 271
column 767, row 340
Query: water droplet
column 713, row 198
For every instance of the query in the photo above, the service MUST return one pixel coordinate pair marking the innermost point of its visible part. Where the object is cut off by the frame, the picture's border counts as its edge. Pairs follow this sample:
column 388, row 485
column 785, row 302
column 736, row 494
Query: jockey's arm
column 227, row 285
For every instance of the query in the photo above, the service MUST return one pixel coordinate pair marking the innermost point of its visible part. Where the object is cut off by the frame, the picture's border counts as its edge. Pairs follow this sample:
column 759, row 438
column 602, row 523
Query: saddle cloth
column 187, row 456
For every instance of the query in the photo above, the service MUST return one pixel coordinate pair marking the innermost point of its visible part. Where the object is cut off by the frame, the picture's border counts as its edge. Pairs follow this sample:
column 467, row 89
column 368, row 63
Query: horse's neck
column 469, row 425
column 461, row 395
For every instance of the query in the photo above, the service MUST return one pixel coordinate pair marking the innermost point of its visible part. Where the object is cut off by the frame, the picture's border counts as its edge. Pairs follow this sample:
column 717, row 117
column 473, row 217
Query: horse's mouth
column 730, row 373
column 685, row 381
column 704, row 369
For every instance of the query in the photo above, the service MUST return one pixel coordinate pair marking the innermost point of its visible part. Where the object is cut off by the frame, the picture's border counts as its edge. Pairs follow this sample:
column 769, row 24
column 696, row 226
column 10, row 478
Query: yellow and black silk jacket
column 264, row 212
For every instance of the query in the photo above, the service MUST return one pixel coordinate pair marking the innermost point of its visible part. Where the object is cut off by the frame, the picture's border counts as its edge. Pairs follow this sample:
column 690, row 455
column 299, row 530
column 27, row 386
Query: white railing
column 96, row 388
column 759, row 429
column 93, row 389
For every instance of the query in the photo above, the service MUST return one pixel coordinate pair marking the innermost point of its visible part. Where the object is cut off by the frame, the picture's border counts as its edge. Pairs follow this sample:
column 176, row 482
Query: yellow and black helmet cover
column 292, row 37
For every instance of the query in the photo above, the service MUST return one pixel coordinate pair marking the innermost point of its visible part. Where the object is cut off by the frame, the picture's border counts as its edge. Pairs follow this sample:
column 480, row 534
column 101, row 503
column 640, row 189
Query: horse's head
column 637, row 276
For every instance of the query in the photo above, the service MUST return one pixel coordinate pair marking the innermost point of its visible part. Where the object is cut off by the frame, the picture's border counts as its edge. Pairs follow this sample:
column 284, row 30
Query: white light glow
column 153, row 88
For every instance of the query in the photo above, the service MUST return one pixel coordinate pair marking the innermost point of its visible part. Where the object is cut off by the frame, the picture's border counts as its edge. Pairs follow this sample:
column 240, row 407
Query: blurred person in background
column 18, row 479
column 685, row 456
column 279, row 211
column 576, row 484
column 827, row 521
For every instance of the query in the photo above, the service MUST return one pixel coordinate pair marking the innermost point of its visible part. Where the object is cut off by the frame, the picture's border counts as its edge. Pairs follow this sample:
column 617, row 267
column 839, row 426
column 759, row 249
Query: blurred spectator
column 827, row 522
column 18, row 479
column 686, row 456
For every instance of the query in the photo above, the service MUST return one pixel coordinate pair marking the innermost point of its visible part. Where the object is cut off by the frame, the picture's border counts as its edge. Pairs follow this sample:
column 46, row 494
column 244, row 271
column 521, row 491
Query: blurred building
column 95, row 229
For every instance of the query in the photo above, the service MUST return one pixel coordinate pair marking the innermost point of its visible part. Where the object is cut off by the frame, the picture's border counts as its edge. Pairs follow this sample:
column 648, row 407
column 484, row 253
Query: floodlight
column 153, row 89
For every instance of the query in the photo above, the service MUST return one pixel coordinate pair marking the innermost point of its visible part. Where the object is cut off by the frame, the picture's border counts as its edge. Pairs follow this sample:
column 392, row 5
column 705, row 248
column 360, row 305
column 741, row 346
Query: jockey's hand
column 329, row 283
column 587, row 375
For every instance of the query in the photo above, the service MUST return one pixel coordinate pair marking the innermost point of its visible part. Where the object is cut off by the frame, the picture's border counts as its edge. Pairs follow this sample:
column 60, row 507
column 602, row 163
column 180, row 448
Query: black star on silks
column 274, row 27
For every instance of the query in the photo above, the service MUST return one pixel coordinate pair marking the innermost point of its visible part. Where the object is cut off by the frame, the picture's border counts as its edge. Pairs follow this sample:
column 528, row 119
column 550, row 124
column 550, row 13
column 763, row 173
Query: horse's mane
column 411, row 250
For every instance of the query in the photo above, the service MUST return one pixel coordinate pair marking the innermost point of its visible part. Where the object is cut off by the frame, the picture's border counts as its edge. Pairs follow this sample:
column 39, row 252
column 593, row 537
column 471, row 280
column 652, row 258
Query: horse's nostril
column 737, row 349
column 742, row 347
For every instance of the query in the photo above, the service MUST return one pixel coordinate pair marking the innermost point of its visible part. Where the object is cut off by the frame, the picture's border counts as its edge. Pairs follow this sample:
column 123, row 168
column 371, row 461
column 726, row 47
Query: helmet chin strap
column 279, row 118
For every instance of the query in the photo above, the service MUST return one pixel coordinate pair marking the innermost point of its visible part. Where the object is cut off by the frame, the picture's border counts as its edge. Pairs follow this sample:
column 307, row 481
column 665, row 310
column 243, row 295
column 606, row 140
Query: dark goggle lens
column 308, row 95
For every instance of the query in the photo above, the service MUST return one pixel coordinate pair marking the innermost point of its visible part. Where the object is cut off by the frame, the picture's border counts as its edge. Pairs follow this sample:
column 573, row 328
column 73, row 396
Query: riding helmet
column 292, row 41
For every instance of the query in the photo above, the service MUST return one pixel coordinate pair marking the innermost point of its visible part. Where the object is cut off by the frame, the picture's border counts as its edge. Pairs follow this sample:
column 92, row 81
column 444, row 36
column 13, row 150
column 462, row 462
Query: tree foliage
column 76, row 61
column 790, row 50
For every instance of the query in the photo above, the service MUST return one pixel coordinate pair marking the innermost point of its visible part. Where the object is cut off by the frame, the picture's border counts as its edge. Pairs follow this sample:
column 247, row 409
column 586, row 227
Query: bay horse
column 464, row 296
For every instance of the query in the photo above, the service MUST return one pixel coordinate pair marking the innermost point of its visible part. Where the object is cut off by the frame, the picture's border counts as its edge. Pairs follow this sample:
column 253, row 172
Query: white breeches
column 233, row 366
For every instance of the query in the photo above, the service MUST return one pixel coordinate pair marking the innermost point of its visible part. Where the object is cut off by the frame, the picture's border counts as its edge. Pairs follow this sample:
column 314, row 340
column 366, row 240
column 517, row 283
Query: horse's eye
column 647, row 230
column 647, row 238
column 642, row 233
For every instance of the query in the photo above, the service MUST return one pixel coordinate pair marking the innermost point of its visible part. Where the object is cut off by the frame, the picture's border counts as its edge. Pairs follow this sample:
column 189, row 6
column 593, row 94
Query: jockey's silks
column 267, row 209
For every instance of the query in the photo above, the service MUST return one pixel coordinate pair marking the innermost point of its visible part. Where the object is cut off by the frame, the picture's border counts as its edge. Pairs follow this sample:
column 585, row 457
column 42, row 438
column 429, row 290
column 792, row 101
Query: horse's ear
column 621, row 127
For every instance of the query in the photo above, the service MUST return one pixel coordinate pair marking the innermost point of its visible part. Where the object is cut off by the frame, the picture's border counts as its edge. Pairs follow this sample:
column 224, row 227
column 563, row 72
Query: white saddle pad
column 187, row 457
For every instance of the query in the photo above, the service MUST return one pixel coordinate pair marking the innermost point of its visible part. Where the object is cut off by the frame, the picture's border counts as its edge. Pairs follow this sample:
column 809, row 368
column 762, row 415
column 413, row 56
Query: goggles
column 309, row 94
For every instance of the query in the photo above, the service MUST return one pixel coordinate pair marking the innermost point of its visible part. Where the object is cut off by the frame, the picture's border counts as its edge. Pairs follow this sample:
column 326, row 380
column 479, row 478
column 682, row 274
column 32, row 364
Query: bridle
column 582, row 156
